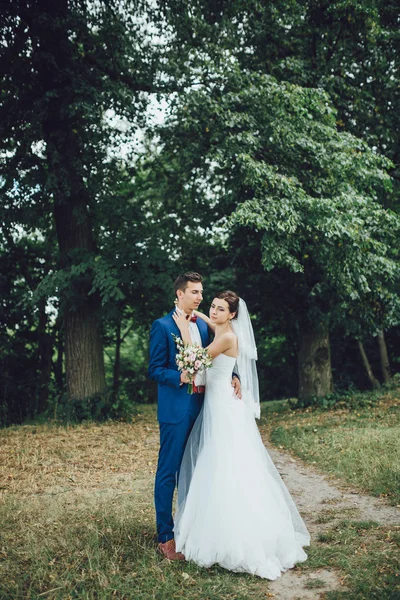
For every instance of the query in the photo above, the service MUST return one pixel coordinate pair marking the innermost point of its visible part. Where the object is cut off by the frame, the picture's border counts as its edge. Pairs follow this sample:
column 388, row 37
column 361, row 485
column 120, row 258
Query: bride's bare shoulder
column 230, row 336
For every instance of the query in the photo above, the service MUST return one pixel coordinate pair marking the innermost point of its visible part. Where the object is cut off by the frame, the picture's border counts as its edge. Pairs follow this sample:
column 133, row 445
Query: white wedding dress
column 233, row 508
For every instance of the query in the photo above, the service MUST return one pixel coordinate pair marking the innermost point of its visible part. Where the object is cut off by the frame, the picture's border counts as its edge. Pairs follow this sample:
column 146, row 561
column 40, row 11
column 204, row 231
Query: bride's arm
column 205, row 318
column 183, row 325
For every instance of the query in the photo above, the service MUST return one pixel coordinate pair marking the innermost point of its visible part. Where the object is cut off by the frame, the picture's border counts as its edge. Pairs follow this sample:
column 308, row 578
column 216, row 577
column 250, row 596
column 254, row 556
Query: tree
column 244, row 145
column 152, row 230
column 26, row 336
column 61, row 70
column 72, row 80
column 278, row 166
column 348, row 49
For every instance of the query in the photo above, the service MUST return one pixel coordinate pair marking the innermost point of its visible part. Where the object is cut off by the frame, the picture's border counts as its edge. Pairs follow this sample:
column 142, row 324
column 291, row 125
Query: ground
column 78, row 522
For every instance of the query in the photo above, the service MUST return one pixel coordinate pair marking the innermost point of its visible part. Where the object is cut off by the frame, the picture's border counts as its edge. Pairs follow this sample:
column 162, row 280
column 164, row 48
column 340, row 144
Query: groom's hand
column 236, row 386
column 185, row 378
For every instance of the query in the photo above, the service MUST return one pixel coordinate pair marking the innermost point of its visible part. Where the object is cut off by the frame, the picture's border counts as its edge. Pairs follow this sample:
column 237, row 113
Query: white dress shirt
column 200, row 378
column 195, row 334
column 196, row 338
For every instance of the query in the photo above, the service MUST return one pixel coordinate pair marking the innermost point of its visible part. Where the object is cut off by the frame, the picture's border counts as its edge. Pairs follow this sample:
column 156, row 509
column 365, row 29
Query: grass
column 367, row 554
column 361, row 447
column 77, row 516
column 103, row 553
column 315, row 583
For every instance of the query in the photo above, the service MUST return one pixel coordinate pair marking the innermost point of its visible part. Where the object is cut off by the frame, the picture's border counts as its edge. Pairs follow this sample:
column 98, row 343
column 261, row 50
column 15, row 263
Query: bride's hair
column 232, row 299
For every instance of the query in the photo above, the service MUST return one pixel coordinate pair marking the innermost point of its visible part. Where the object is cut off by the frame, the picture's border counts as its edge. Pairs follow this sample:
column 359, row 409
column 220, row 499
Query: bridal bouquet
column 191, row 358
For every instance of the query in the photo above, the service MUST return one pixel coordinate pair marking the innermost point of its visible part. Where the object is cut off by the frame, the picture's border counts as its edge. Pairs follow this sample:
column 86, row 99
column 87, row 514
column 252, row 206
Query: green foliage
column 25, row 331
column 312, row 196
column 349, row 49
column 350, row 398
column 279, row 166
column 255, row 180
column 64, row 116
column 94, row 408
column 134, row 385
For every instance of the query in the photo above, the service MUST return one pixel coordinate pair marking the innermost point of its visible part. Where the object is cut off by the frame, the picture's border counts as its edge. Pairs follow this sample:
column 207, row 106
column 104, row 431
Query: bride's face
column 219, row 311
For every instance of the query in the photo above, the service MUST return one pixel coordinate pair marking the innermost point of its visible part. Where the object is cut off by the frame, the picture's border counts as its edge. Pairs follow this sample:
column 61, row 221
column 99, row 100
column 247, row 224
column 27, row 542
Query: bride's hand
column 180, row 319
column 201, row 315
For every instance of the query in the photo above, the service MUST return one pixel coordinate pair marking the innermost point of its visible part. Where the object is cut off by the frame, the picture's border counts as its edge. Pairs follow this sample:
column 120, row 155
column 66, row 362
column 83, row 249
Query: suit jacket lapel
column 174, row 326
column 203, row 331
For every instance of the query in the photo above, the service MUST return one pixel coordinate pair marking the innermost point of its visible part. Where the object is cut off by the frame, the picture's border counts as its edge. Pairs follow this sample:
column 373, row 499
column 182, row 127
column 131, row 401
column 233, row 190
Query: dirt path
column 314, row 495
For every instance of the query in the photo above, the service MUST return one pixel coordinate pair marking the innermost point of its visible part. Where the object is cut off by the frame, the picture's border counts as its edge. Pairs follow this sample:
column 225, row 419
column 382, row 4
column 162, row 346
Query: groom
column 177, row 410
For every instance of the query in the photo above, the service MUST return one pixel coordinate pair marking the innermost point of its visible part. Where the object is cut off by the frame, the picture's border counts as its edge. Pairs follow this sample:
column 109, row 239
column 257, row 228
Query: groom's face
column 192, row 296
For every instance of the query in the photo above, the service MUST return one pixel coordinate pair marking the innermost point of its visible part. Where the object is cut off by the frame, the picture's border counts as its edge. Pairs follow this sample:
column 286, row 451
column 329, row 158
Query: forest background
column 273, row 170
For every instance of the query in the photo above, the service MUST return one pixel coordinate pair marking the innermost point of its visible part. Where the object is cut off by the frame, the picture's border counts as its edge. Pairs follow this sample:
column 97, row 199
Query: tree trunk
column 84, row 362
column 45, row 348
column 383, row 353
column 117, row 363
column 64, row 132
column 373, row 380
column 315, row 372
column 58, row 367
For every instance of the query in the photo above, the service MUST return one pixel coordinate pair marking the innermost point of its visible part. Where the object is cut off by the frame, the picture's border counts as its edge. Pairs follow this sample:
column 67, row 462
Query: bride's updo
column 232, row 299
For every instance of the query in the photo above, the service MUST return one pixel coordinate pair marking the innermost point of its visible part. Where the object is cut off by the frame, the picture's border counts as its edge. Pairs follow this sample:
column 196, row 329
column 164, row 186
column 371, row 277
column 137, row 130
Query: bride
column 233, row 508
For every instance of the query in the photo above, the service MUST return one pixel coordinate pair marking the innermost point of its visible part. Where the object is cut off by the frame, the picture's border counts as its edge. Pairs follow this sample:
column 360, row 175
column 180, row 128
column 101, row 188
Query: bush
column 351, row 398
column 100, row 407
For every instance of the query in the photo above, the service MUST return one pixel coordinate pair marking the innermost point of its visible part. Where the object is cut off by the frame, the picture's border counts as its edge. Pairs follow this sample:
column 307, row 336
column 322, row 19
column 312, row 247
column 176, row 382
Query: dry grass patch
column 77, row 518
column 53, row 459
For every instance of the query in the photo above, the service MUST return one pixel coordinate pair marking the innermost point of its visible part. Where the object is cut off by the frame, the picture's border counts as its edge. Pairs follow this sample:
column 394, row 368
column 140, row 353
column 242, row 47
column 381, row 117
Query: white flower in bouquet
column 191, row 358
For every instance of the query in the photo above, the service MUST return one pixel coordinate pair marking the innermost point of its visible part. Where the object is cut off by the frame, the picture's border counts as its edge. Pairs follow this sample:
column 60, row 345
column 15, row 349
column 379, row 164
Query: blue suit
column 177, row 412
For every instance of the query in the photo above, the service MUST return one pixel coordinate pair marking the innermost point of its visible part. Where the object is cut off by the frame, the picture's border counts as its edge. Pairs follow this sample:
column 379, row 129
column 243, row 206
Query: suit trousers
column 173, row 438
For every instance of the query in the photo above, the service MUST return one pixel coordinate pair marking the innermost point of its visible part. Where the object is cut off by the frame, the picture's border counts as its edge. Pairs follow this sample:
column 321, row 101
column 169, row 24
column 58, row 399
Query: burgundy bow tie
column 193, row 318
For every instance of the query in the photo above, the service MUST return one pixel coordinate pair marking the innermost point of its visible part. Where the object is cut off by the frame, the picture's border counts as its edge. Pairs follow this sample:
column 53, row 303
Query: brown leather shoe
column 168, row 550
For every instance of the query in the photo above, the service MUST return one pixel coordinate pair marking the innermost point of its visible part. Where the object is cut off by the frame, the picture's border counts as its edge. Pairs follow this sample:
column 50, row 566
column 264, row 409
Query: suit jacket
column 173, row 399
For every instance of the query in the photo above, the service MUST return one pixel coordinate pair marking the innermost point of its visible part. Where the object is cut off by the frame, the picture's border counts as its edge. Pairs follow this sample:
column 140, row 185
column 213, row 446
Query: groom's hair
column 181, row 281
